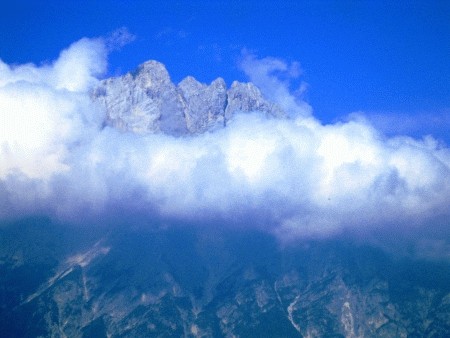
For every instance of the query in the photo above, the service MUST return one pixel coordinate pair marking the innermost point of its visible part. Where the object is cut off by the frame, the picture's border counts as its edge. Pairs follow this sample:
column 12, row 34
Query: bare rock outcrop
column 147, row 101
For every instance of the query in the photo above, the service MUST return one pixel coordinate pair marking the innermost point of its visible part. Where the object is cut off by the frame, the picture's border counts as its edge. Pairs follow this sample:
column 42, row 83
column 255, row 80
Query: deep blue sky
column 381, row 57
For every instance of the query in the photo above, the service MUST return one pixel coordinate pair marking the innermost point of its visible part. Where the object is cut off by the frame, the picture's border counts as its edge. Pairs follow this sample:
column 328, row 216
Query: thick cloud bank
column 293, row 176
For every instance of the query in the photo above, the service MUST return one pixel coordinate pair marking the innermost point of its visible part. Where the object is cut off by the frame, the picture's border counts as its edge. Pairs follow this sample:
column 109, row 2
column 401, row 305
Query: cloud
column 294, row 177
column 45, row 110
column 435, row 123
column 118, row 39
column 273, row 77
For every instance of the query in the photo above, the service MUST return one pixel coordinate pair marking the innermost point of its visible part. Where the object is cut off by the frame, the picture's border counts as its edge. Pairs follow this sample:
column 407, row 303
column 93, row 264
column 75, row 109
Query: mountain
column 171, row 278
column 187, row 281
column 146, row 101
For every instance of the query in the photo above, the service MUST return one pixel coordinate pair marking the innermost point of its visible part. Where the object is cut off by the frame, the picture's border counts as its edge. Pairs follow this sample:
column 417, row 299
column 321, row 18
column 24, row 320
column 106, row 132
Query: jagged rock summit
column 147, row 101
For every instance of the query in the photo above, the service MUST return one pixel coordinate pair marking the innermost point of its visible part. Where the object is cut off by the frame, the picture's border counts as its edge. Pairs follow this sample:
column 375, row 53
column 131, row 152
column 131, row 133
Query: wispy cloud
column 119, row 38
column 435, row 123
column 273, row 77
column 171, row 36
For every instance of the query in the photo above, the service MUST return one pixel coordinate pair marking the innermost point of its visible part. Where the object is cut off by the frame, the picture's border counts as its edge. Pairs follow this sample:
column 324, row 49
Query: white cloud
column 436, row 123
column 272, row 76
column 294, row 176
column 119, row 38
column 45, row 110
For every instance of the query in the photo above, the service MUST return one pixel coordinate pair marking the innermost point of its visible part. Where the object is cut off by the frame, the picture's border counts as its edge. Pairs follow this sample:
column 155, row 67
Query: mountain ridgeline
column 146, row 101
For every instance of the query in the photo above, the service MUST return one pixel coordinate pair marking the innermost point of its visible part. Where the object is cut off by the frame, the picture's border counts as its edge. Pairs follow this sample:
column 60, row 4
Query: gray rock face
column 147, row 101
column 204, row 105
column 246, row 97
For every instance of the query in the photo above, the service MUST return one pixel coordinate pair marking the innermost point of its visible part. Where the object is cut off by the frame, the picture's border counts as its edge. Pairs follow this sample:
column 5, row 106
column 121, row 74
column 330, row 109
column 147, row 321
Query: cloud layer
column 292, row 176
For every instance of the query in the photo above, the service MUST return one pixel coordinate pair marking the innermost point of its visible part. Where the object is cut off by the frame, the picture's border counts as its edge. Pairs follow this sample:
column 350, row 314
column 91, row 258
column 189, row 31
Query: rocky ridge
column 146, row 101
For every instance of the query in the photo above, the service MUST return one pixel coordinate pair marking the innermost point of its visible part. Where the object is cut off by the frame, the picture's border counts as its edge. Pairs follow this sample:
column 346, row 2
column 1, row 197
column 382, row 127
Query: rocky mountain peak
column 147, row 101
column 151, row 74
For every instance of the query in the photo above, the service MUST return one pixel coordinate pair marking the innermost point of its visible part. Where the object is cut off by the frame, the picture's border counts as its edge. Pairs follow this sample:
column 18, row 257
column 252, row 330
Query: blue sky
column 388, row 59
